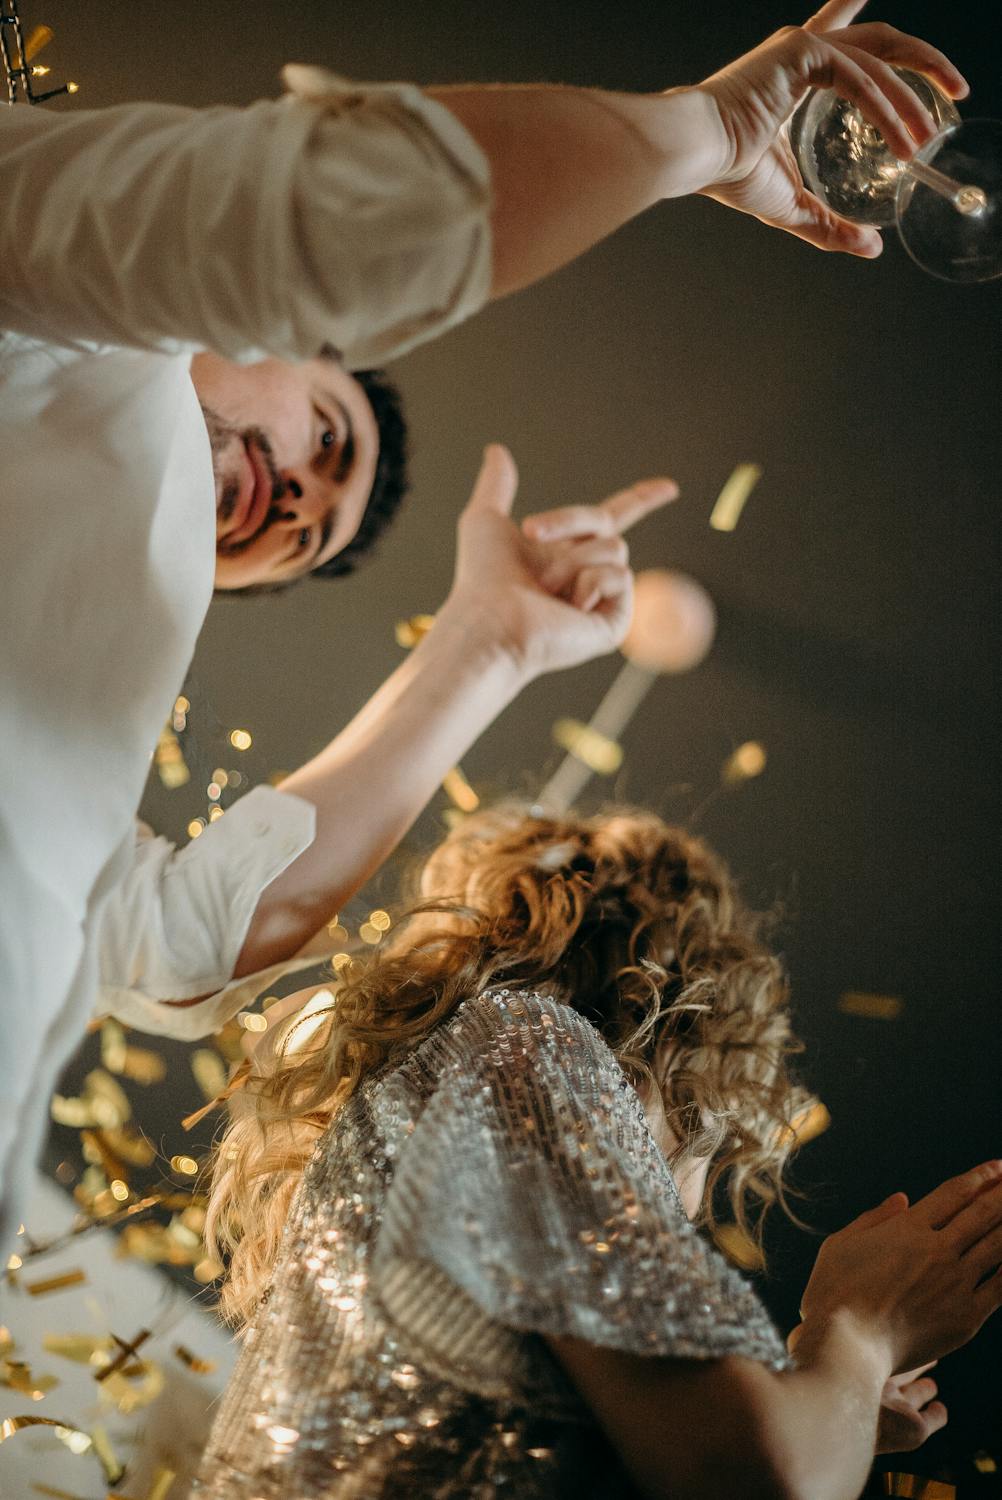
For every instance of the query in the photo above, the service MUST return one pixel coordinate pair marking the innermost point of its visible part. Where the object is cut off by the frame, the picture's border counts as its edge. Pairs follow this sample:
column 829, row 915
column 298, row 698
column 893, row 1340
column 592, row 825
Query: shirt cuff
column 223, row 873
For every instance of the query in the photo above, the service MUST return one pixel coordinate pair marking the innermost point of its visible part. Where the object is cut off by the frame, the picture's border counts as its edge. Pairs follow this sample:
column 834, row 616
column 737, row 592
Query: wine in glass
column 946, row 201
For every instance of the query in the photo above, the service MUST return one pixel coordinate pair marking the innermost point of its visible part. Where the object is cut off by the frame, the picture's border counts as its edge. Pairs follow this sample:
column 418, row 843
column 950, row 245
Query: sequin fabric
column 497, row 1184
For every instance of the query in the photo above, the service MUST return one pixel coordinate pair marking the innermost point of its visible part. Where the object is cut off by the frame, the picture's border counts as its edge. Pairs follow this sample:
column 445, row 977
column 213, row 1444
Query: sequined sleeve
column 530, row 1196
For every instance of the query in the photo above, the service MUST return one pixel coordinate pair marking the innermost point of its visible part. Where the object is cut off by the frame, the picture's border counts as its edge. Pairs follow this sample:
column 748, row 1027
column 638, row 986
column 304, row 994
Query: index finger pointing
column 610, row 518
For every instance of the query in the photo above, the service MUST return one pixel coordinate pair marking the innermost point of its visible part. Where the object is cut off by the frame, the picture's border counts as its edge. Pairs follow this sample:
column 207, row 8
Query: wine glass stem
column 965, row 198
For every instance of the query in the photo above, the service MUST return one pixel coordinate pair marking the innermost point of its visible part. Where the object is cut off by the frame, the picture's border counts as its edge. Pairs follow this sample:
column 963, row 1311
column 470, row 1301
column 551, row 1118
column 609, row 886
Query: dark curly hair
column 389, row 486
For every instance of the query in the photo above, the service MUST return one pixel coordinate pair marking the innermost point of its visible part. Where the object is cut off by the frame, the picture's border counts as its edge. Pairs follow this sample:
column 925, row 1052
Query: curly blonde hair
column 636, row 925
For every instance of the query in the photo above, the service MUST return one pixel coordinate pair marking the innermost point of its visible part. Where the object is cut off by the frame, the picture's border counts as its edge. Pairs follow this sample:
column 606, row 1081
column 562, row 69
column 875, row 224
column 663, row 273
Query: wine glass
column 946, row 201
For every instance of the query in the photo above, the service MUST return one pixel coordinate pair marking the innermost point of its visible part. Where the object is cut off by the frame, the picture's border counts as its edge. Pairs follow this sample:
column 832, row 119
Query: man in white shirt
column 361, row 218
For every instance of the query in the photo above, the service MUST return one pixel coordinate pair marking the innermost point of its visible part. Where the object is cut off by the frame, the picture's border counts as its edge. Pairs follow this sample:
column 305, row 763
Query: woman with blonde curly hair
column 468, row 1201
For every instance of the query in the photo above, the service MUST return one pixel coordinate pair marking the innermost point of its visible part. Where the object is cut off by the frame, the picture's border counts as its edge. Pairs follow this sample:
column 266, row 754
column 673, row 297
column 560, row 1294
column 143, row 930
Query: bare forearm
column 821, row 1418
column 372, row 781
column 569, row 166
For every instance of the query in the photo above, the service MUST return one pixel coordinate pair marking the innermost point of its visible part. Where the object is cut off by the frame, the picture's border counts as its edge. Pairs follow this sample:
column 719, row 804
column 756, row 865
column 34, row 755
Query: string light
column 241, row 739
column 17, row 56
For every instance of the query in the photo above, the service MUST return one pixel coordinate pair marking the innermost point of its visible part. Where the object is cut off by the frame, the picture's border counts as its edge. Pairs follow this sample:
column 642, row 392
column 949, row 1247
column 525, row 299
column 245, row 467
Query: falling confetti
column 744, row 763
column 459, row 791
column 595, row 750
column 730, row 502
column 55, row 1283
column 874, row 1007
column 739, row 1247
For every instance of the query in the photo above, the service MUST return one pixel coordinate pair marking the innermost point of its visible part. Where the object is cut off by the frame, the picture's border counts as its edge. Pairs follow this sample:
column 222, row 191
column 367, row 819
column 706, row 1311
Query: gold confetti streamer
column 209, row 1072
column 874, row 1007
column 81, row 1348
column 15, row 1375
column 238, row 1081
column 459, row 791
column 918, row 1487
column 731, row 501
column 207, row 1270
column 739, row 1247
column 410, row 632
column 129, row 1144
column 75, row 1439
column 113, row 1469
column 46, row 1489
column 744, row 763
column 595, row 750
column 810, row 1123
column 163, row 1480
column 55, row 1283
column 113, row 1046
column 38, row 37
column 193, row 1362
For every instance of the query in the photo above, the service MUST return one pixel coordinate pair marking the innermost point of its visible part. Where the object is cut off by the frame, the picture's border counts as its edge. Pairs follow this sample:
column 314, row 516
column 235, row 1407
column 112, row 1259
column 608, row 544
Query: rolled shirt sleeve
column 350, row 215
column 174, row 926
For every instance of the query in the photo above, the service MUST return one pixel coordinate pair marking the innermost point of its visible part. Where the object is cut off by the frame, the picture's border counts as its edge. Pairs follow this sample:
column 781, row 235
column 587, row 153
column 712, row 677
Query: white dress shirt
column 130, row 237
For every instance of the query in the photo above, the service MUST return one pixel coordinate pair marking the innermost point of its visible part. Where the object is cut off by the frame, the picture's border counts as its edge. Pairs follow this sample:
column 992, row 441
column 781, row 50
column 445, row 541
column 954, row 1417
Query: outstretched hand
column 756, row 95
column 556, row 590
column 918, row 1281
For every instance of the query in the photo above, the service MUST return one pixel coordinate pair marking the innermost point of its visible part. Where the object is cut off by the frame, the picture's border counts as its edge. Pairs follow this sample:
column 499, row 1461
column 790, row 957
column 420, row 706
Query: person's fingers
column 904, row 51
column 827, row 66
column 834, row 15
column 935, row 1416
column 570, row 521
column 630, row 506
column 984, row 1252
column 896, row 94
column 918, row 1393
column 896, row 1203
column 944, row 1202
column 976, row 1220
column 988, row 1297
column 599, row 586
column 828, row 231
column 567, row 563
column 496, row 484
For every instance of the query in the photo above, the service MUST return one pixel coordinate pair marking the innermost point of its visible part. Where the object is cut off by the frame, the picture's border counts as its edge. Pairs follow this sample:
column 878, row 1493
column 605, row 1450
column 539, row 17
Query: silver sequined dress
column 499, row 1183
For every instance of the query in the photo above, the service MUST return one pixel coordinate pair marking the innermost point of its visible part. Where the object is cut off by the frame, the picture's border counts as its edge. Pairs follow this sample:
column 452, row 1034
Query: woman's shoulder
column 514, row 1029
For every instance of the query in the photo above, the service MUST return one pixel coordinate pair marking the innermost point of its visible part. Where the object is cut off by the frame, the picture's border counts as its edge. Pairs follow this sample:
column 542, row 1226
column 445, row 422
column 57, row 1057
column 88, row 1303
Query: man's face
column 294, row 450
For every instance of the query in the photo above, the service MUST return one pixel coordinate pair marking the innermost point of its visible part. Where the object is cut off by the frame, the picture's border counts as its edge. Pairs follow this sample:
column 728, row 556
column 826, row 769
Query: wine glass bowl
column 957, row 238
column 946, row 201
column 846, row 162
